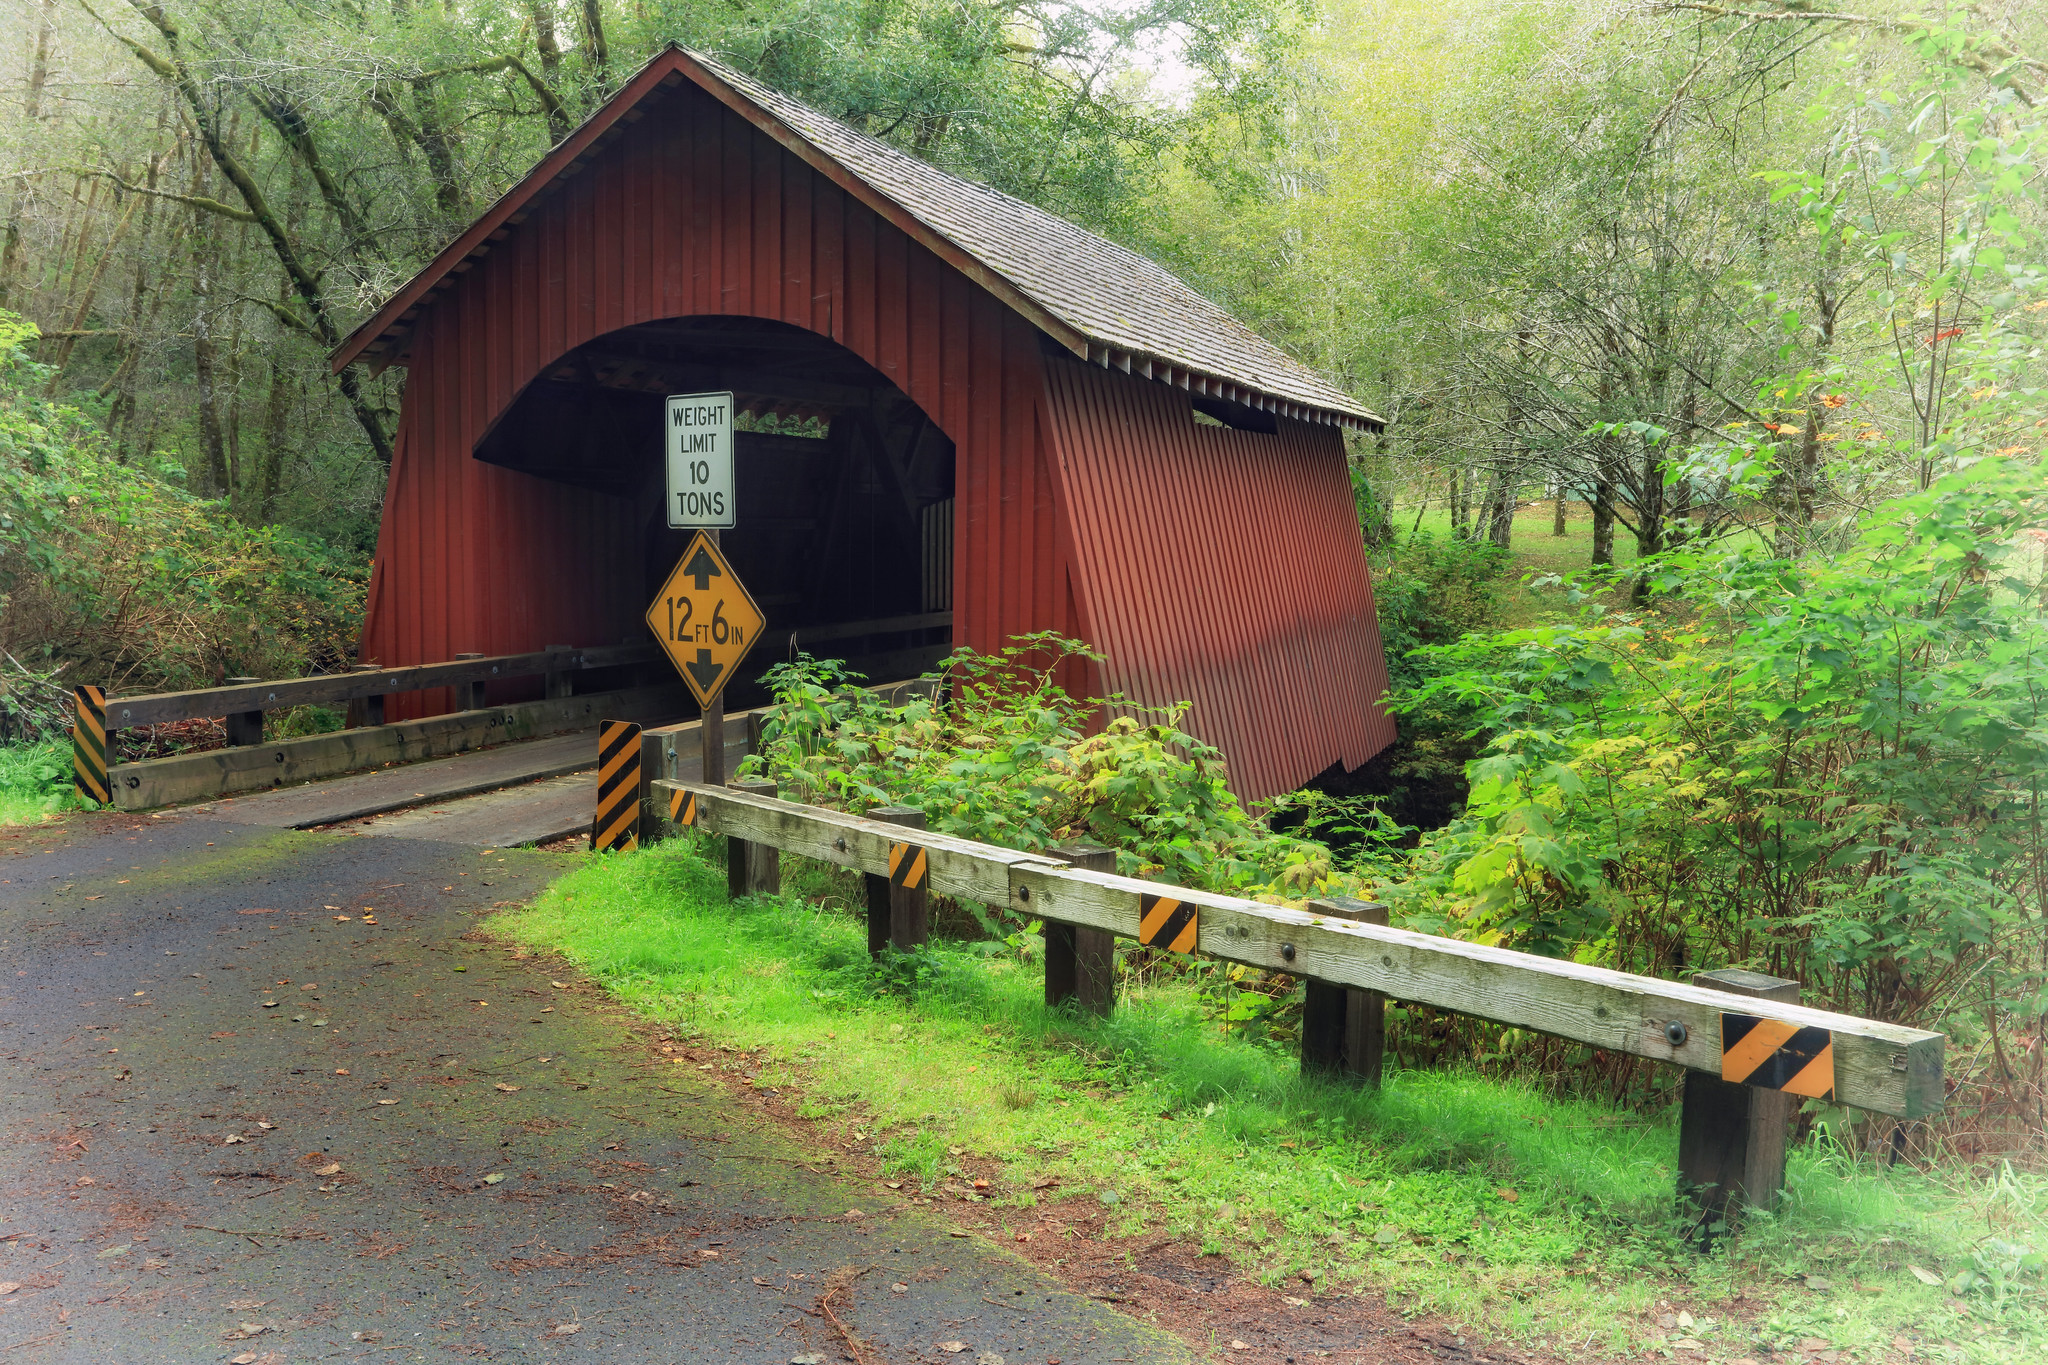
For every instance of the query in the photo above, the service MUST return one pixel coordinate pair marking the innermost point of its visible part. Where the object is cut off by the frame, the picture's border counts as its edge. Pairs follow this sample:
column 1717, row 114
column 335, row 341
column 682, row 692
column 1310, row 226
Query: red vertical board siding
column 1086, row 500
column 1222, row 568
column 692, row 212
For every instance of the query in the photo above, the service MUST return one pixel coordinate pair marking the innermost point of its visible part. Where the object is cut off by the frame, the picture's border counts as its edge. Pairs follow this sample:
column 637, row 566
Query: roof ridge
column 1103, row 300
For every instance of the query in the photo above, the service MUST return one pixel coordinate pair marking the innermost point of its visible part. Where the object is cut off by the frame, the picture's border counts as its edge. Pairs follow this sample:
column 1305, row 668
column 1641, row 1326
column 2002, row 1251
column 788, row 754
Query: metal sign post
column 706, row 622
column 711, row 731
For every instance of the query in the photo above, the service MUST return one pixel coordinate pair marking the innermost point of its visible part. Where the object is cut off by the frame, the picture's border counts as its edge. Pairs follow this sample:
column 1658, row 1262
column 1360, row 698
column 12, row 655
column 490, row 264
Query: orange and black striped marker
column 1164, row 922
column 682, row 808
column 89, row 745
column 1772, row 1055
column 906, row 866
column 618, row 788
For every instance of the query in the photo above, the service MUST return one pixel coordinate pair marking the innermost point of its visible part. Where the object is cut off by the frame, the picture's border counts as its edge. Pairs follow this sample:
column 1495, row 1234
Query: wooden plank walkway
column 512, row 817
column 444, row 779
column 516, row 794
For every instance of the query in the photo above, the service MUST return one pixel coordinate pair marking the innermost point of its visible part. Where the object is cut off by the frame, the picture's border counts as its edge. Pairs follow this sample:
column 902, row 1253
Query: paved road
column 441, row 1155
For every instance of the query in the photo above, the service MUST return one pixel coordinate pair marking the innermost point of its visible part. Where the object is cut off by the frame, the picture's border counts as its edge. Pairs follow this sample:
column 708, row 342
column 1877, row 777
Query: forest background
column 1710, row 517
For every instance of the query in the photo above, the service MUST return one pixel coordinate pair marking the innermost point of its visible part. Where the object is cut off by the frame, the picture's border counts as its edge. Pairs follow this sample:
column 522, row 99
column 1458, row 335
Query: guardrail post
column 372, row 707
column 1080, row 962
column 1731, row 1138
column 560, row 682
column 751, row 868
column 469, row 696
column 1343, row 1030
column 245, row 727
column 898, row 913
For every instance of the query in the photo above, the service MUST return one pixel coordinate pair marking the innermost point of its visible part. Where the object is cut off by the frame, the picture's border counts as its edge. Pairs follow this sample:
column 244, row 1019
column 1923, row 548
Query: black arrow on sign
column 703, row 670
column 702, row 567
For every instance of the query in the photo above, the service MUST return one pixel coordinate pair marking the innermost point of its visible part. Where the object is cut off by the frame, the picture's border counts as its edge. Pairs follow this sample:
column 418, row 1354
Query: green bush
column 35, row 781
column 1829, row 769
column 1007, row 759
column 123, row 578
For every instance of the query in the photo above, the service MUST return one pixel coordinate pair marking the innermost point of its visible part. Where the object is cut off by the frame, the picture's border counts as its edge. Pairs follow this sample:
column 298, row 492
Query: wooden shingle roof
column 1103, row 302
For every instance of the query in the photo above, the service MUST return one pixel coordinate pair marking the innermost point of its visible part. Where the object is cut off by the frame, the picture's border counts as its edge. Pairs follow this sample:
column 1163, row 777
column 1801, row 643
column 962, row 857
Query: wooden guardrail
column 364, row 684
column 1886, row 1068
column 244, row 701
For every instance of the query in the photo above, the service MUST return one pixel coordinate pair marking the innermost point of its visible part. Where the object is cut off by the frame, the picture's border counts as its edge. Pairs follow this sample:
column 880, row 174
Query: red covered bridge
column 1002, row 424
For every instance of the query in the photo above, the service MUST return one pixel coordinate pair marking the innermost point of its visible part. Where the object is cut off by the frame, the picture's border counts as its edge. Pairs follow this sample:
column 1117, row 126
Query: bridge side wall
column 1223, row 568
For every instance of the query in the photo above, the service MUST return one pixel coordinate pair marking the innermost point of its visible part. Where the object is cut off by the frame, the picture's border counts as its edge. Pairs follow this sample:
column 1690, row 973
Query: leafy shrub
column 1827, row 769
column 1006, row 758
column 35, row 780
column 122, row 578
column 1434, row 590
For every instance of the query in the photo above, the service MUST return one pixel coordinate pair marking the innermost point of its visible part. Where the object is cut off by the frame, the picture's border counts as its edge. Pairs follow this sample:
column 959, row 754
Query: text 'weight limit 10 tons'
column 697, row 439
column 705, row 619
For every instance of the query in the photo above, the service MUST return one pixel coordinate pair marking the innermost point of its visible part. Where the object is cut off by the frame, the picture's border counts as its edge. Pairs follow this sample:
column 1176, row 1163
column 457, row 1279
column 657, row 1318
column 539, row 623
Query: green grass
column 1532, row 1218
column 35, row 782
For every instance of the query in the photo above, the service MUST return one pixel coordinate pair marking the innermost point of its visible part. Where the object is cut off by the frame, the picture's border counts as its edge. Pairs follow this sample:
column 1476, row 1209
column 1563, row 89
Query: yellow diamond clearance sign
column 704, row 619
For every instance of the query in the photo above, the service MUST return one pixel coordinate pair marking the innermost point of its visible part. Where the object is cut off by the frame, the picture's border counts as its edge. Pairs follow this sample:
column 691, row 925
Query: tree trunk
column 542, row 12
column 32, row 112
column 1797, row 488
column 210, row 443
column 276, row 422
column 600, row 55
column 82, row 308
column 1603, row 516
column 1557, row 511
column 1457, row 499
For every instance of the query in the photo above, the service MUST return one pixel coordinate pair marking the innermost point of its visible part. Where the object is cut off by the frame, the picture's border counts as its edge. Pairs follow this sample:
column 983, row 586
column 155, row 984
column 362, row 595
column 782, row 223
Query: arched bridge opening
column 843, row 529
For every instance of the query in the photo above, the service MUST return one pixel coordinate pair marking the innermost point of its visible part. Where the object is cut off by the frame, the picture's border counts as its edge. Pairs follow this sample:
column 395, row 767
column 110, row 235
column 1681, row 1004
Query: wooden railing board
column 958, row 867
column 1888, row 1068
column 158, row 708
column 259, row 767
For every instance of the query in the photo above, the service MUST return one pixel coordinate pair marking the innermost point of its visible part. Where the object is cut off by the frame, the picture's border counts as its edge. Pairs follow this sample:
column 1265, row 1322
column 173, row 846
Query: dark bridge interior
column 844, row 526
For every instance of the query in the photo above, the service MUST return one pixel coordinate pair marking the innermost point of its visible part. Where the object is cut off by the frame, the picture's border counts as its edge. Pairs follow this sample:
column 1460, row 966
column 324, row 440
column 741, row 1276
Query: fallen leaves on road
column 559, row 985
column 232, row 1138
column 899, row 1288
column 494, row 1178
column 248, row 1305
column 225, row 1033
column 567, row 1329
column 387, row 1101
column 952, row 1348
column 507, row 1089
column 1508, row 1195
column 8, row 1286
column 245, row 1331
column 331, row 1168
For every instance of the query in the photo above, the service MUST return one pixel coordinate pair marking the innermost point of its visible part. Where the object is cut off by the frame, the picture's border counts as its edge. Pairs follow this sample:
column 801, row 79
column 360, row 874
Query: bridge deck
column 533, row 792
